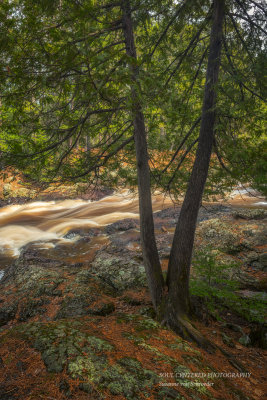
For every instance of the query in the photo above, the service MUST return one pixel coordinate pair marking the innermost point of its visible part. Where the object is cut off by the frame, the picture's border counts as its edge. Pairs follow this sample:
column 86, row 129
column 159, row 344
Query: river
column 46, row 223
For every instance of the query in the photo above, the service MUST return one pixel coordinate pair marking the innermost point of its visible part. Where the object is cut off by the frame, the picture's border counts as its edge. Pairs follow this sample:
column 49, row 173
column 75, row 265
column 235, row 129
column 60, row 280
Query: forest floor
column 75, row 327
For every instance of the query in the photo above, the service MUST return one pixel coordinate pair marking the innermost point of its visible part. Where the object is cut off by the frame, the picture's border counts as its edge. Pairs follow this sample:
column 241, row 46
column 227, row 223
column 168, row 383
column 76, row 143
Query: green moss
column 128, row 378
column 119, row 273
column 66, row 344
column 167, row 393
column 140, row 323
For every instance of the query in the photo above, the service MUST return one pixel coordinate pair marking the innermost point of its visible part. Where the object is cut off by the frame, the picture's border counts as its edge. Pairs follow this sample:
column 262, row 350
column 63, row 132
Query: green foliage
column 66, row 103
column 211, row 281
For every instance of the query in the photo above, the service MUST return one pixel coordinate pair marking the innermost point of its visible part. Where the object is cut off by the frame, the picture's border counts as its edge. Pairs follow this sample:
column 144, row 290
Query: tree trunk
column 148, row 241
column 178, row 304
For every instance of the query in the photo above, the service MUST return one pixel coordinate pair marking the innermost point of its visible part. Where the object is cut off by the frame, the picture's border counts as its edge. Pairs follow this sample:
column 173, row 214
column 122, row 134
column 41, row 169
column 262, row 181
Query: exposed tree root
column 183, row 327
column 232, row 360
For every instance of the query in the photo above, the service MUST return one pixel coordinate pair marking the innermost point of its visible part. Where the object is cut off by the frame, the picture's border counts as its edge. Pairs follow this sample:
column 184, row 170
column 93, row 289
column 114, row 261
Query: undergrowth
column 211, row 281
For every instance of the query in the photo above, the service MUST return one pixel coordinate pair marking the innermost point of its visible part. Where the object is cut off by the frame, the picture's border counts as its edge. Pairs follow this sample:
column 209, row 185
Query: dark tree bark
column 148, row 241
column 178, row 303
column 173, row 306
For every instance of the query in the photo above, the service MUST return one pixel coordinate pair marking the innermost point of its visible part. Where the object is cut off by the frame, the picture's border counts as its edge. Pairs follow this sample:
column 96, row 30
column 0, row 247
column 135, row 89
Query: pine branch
column 240, row 36
column 180, row 163
column 220, row 158
column 248, row 17
column 107, row 157
column 192, row 44
column 167, row 28
column 182, row 143
column 232, row 65
column 71, row 132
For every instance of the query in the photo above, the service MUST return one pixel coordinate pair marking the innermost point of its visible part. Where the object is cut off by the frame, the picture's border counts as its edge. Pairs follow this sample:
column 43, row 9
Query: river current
column 46, row 223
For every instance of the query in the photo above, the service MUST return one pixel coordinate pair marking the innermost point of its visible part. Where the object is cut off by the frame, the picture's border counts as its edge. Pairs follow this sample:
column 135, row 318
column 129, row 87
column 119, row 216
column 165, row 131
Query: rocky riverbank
column 15, row 190
column 77, row 322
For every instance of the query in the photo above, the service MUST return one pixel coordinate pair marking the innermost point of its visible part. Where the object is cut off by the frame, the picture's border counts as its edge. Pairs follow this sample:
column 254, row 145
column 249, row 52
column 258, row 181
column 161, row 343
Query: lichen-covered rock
column 127, row 377
column 35, row 278
column 221, row 235
column 119, row 272
column 243, row 279
column 64, row 344
column 32, row 307
column 246, row 213
column 249, row 294
column 75, row 306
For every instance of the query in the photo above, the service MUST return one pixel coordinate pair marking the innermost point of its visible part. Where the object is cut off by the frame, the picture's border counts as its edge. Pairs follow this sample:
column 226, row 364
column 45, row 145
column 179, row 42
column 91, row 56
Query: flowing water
column 46, row 223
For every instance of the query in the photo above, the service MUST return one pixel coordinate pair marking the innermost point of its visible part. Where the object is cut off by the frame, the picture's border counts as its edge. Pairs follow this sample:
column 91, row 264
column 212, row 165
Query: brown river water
column 46, row 223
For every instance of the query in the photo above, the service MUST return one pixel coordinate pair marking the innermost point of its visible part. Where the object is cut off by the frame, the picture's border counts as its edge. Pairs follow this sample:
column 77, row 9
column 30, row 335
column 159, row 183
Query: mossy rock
column 74, row 306
column 139, row 322
column 36, row 280
column 120, row 273
column 128, row 378
column 180, row 373
column 168, row 393
column 32, row 307
column 246, row 213
column 64, row 344
column 83, row 277
column 220, row 233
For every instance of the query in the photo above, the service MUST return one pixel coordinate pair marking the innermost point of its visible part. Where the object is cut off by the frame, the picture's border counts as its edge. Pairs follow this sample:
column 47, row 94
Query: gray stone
column 249, row 294
column 246, row 213
column 119, row 272
column 245, row 340
column 74, row 307
column 234, row 327
column 119, row 226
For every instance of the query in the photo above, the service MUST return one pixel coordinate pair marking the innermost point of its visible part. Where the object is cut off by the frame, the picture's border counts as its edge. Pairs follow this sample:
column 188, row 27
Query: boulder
column 120, row 272
column 246, row 213
column 245, row 340
column 220, row 234
column 120, row 226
